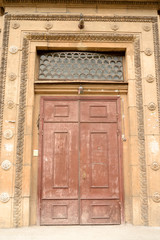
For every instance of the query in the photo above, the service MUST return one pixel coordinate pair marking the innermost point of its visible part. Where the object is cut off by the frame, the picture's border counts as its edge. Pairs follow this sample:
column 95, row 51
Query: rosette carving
column 155, row 166
column 10, row 104
column 156, row 197
column 148, row 51
column 48, row 25
column 152, row 106
column 13, row 49
column 12, row 76
column 150, row 78
column 6, row 165
column 4, row 197
column 15, row 25
column 146, row 27
column 114, row 27
column 8, row 134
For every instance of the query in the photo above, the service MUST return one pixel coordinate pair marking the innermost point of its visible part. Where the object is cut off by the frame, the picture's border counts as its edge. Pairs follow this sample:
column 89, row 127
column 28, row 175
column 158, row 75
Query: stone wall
column 28, row 29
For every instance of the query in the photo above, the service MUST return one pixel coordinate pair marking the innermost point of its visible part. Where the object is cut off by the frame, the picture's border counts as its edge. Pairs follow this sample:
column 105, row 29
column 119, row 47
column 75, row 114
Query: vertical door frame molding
column 118, row 38
column 28, row 37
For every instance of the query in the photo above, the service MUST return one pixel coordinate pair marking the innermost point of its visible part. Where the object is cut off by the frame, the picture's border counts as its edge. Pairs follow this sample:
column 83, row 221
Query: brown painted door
column 80, row 162
column 99, row 186
column 59, row 194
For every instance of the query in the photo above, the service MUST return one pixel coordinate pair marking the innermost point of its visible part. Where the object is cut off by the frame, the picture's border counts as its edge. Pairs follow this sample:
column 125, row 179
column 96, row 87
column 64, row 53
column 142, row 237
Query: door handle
column 84, row 175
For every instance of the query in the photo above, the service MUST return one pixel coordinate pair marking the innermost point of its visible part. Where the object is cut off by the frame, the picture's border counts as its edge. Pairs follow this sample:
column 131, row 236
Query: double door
column 80, row 171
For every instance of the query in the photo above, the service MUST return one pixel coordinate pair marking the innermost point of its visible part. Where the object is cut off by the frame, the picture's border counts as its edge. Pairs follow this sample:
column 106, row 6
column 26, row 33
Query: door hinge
column 118, row 131
column 117, row 115
column 38, row 121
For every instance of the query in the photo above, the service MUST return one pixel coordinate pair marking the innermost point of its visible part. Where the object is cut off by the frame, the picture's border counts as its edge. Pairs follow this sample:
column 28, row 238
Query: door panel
column 60, row 111
column 60, row 157
column 98, row 111
column 59, row 212
column 99, row 161
column 100, row 212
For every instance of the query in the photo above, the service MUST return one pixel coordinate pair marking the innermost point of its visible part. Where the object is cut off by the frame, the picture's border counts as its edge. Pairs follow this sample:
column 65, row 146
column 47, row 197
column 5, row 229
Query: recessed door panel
column 99, row 161
column 100, row 212
column 98, row 111
column 60, row 157
column 60, row 111
column 59, row 212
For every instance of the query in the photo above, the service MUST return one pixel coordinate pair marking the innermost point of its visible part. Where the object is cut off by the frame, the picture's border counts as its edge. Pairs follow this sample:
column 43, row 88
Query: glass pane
column 81, row 66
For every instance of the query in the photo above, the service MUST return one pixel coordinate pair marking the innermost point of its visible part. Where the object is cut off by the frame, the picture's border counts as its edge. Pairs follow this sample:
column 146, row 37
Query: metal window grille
column 81, row 66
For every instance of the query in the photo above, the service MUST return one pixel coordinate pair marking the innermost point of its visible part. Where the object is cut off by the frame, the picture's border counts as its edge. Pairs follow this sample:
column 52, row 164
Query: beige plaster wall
column 132, row 151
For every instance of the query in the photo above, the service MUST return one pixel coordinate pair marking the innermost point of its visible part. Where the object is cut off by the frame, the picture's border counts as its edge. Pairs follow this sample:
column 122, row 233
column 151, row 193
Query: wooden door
column 80, row 176
column 99, row 186
column 59, row 184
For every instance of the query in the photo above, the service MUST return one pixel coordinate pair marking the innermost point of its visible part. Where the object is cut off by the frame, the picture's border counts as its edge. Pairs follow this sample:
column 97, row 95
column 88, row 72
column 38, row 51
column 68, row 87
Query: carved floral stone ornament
column 6, row 165
column 150, row 78
column 12, row 76
column 15, row 25
column 13, row 49
column 8, row 134
column 114, row 27
column 156, row 197
column 48, row 25
column 4, row 197
column 146, row 27
column 10, row 104
column 155, row 166
column 152, row 106
column 148, row 51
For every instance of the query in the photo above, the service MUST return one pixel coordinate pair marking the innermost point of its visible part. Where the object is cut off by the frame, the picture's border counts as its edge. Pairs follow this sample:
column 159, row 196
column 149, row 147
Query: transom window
column 81, row 66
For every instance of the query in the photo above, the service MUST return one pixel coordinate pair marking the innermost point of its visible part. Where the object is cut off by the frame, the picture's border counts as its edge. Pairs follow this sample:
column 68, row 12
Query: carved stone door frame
column 127, row 41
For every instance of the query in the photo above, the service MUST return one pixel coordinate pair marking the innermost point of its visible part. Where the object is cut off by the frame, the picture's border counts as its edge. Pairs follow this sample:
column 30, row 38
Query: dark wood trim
column 68, row 98
column 43, row 81
column 89, row 88
column 40, row 150
column 120, row 153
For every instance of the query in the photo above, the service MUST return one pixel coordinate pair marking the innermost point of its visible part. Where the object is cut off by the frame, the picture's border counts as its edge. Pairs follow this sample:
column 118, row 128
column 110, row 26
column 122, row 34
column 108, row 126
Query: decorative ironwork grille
column 81, row 66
